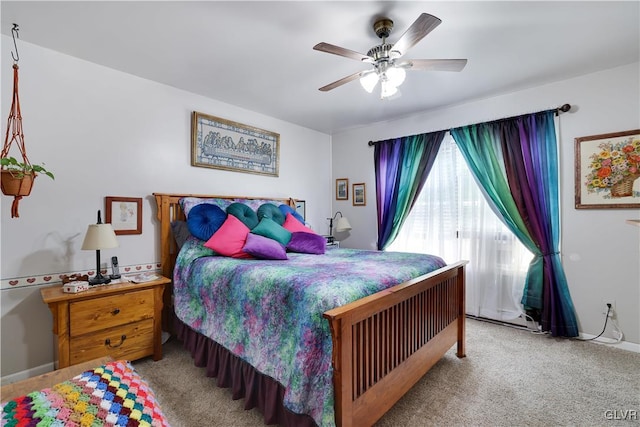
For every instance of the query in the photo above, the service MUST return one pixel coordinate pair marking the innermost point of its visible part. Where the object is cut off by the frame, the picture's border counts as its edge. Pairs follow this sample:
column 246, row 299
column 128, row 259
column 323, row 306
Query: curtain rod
column 562, row 109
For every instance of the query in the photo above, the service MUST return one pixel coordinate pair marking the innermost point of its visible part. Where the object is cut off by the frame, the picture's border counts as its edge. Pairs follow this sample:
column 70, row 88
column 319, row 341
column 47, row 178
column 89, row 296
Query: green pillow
column 244, row 213
column 269, row 228
column 269, row 210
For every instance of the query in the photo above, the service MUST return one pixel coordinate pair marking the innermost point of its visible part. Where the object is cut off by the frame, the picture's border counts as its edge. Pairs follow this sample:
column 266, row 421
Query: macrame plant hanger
column 14, row 127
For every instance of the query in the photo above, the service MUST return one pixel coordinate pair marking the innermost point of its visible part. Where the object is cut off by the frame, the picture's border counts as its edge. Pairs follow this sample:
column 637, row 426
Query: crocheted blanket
column 113, row 394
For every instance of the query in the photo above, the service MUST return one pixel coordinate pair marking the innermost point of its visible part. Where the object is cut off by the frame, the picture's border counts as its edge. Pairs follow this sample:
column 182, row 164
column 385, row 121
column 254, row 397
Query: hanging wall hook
column 14, row 33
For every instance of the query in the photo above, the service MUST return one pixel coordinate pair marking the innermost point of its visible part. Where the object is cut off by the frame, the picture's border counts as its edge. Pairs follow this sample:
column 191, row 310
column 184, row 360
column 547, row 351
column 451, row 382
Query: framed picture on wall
column 359, row 194
column 223, row 144
column 342, row 189
column 301, row 207
column 124, row 214
column 607, row 170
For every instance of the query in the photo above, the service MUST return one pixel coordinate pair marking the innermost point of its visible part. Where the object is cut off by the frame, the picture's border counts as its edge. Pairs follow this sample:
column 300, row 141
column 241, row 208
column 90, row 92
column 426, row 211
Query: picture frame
column 607, row 168
column 342, row 189
column 124, row 214
column 359, row 194
column 301, row 207
column 224, row 144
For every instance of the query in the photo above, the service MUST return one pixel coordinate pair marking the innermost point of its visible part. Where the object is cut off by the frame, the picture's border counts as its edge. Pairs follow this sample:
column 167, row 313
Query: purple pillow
column 263, row 247
column 307, row 243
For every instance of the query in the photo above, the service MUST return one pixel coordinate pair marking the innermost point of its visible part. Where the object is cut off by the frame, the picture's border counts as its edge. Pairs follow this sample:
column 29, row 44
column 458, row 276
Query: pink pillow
column 230, row 238
column 292, row 224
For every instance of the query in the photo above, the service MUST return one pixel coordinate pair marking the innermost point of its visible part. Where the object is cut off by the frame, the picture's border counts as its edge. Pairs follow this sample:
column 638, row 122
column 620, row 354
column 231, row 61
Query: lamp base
column 99, row 280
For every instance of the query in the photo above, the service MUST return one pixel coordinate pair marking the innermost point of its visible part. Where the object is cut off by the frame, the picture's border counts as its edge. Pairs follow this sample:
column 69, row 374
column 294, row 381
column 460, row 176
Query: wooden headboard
column 169, row 210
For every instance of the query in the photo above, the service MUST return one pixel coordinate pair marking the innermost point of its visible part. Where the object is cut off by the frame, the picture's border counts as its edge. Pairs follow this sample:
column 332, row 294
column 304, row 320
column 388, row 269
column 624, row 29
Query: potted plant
column 18, row 177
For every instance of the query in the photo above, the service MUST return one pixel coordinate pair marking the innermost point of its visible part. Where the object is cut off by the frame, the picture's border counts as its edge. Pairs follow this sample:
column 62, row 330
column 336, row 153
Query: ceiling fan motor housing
column 383, row 27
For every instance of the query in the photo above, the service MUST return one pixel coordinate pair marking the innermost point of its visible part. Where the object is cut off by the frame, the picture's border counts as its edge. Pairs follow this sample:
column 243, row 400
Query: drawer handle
column 107, row 342
column 116, row 311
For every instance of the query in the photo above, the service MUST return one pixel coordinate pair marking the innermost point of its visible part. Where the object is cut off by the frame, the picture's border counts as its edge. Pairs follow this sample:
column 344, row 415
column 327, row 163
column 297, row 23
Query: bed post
column 342, row 370
column 462, row 317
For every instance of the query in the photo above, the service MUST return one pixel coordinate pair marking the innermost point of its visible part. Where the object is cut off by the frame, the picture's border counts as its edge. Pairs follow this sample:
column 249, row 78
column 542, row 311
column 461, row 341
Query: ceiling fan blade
column 416, row 32
column 341, row 81
column 433, row 64
column 337, row 50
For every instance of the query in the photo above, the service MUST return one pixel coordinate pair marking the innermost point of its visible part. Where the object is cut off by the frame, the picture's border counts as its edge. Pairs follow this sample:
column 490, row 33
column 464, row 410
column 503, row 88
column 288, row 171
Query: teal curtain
column 401, row 166
column 515, row 161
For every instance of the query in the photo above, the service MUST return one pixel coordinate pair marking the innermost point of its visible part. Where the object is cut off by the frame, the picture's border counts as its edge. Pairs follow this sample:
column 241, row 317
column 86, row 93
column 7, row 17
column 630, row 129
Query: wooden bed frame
column 382, row 344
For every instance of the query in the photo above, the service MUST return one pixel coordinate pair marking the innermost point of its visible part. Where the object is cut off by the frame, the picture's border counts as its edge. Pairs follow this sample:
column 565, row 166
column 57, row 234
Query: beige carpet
column 510, row 377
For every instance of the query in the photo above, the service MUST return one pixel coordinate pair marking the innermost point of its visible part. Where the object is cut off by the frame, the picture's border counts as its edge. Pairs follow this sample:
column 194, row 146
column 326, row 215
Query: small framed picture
column 124, row 214
column 301, row 208
column 342, row 189
column 359, row 195
column 607, row 170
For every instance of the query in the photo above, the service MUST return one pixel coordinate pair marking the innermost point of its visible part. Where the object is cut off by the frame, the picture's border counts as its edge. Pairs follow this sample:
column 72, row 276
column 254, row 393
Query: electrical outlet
column 605, row 307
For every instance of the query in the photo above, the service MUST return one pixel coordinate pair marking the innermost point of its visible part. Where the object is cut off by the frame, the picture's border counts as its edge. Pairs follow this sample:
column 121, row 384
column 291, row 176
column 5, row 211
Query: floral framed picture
column 124, row 214
column 607, row 170
column 359, row 195
column 342, row 189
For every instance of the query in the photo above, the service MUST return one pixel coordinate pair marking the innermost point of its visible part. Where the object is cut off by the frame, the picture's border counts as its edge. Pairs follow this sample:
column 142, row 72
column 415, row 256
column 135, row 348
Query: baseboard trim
column 624, row 345
column 28, row 373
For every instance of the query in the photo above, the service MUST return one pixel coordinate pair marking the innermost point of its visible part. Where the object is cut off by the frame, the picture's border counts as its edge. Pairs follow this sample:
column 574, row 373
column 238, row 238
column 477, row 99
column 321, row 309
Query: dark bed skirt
column 258, row 390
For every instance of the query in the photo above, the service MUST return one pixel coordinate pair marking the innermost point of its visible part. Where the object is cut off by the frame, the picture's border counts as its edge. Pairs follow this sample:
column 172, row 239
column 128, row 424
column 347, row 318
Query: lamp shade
column 369, row 80
column 387, row 89
column 396, row 76
column 343, row 224
column 99, row 236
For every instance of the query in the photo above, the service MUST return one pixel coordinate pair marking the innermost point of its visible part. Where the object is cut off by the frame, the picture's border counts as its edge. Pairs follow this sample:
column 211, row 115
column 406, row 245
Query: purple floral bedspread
column 269, row 313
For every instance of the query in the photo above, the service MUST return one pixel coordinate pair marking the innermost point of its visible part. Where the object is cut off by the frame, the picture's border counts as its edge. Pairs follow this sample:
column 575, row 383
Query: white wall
column 106, row 133
column 601, row 252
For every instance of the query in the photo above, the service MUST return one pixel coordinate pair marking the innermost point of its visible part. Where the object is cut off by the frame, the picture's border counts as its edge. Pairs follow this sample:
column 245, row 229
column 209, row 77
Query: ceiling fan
column 387, row 69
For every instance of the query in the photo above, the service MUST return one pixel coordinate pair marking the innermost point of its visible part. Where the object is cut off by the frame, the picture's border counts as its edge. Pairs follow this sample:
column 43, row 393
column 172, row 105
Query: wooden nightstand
column 122, row 320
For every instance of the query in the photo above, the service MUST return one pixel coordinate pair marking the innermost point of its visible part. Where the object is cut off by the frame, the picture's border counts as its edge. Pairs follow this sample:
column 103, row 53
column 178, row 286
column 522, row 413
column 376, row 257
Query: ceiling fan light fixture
column 396, row 76
column 386, row 70
column 369, row 81
column 387, row 89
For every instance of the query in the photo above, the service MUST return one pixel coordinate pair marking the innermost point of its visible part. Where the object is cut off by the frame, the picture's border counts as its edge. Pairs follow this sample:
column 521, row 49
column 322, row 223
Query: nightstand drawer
column 130, row 342
column 106, row 312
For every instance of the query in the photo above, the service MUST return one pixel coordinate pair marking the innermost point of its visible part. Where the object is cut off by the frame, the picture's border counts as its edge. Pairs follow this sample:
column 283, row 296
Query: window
column 452, row 219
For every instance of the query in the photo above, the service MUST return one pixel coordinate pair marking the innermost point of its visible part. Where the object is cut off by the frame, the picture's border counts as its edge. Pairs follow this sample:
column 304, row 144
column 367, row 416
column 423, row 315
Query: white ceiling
column 259, row 56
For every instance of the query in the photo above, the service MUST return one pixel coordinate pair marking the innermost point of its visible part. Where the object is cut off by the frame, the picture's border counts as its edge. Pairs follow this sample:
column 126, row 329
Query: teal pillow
column 244, row 213
column 269, row 210
column 269, row 228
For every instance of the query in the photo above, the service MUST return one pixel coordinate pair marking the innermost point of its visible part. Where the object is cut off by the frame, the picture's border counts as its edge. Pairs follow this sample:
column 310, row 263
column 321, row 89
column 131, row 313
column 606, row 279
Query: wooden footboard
column 383, row 344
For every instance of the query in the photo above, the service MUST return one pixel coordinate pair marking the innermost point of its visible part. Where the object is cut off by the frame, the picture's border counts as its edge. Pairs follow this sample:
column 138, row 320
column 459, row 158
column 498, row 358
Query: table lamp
column 99, row 236
column 341, row 225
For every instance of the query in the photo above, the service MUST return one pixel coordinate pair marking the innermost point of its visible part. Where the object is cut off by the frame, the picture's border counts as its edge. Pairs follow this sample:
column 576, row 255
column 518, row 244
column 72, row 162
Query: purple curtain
column 402, row 166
